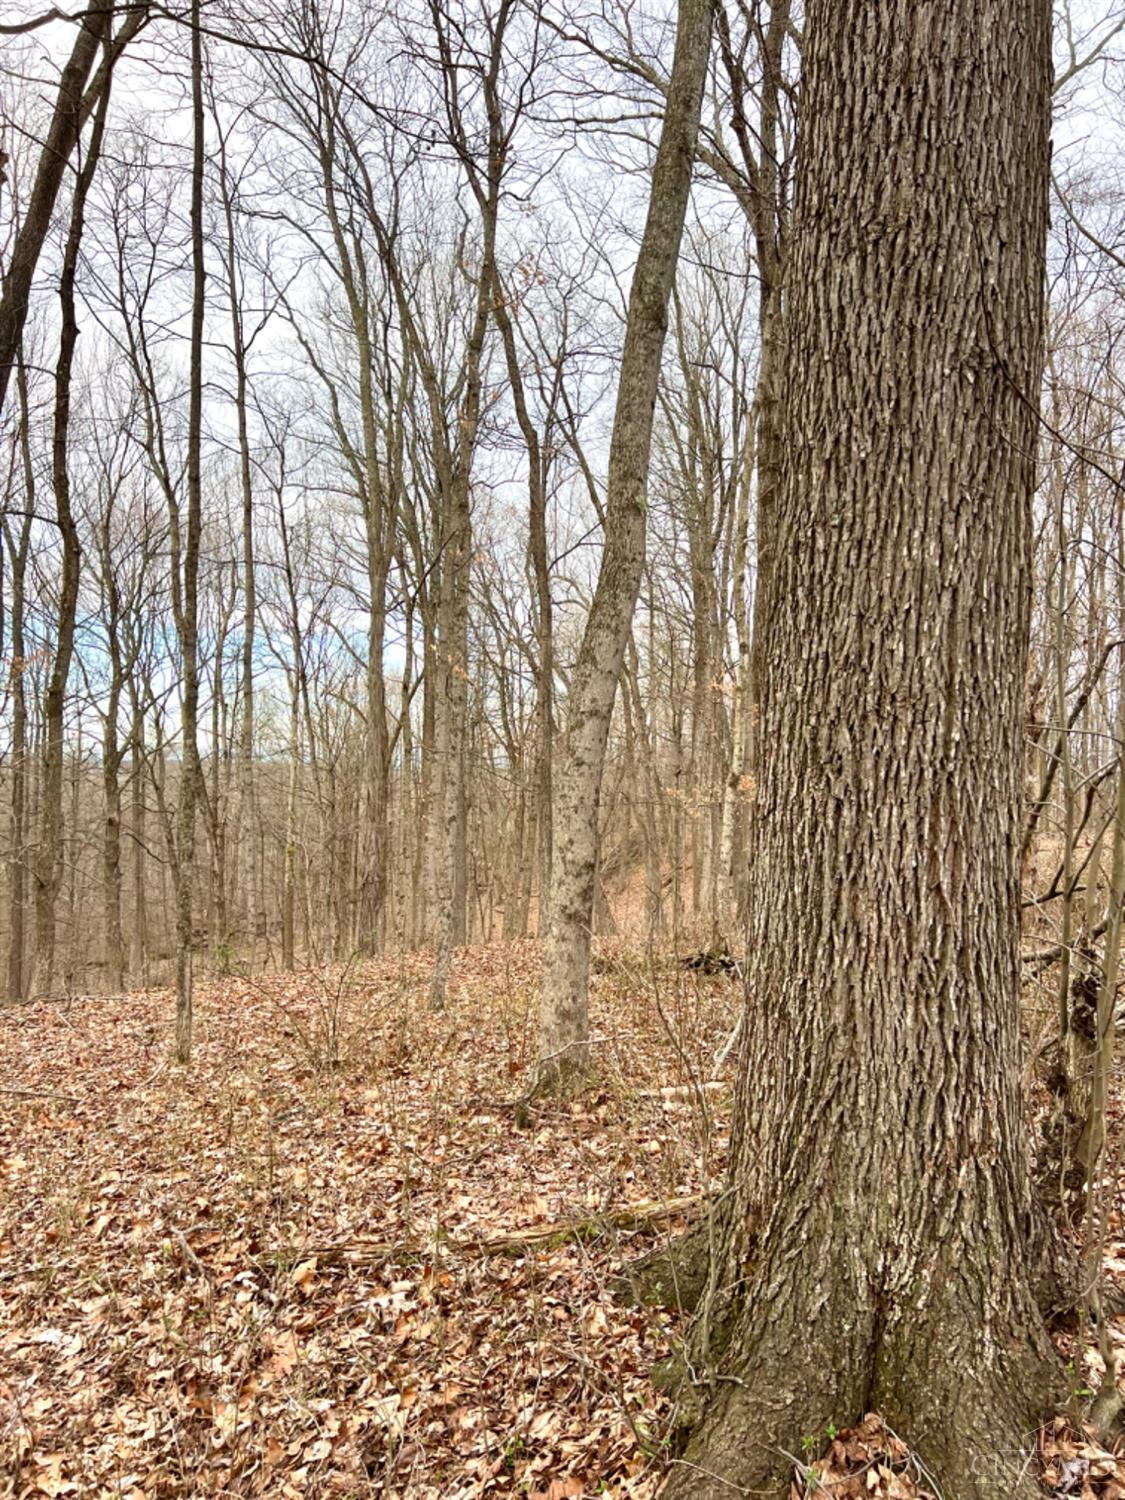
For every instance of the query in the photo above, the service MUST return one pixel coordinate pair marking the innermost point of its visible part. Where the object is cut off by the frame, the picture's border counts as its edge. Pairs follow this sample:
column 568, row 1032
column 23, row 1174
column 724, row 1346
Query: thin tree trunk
column 18, row 551
column 425, row 858
column 564, row 1019
column 1098, row 1052
column 735, row 789
column 138, row 928
column 544, row 614
column 111, row 873
column 289, row 873
column 453, row 619
column 406, row 892
column 185, row 562
column 112, row 756
column 247, row 792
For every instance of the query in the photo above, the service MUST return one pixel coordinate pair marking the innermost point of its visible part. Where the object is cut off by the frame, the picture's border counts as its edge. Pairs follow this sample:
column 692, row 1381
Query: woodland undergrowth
column 324, row 1262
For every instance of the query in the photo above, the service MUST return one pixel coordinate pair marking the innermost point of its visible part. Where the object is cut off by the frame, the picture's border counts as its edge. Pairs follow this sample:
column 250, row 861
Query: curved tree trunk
column 879, row 1249
column 63, row 132
column 50, row 863
column 564, row 1024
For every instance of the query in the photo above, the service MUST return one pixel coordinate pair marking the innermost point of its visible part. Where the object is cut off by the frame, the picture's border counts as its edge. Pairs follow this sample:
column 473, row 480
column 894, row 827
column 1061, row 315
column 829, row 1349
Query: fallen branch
column 682, row 1090
column 155, row 1074
column 1052, row 954
column 631, row 1216
column 42, row 1094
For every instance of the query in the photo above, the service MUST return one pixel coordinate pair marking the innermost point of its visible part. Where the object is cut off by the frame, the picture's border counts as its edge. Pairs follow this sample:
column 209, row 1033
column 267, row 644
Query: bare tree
column 564, row 1023
column 185, row 529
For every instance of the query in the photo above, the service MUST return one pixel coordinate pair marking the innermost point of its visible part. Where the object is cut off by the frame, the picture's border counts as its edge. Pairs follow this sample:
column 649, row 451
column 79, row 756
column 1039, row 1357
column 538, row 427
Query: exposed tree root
column 972, row 1429
column 1107, row 1416
column 676, row 1274
column 555, row 1078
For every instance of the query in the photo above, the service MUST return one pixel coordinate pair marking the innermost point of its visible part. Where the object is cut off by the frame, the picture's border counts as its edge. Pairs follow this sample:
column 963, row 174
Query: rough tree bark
column 564, row 1023
column 879, row 1251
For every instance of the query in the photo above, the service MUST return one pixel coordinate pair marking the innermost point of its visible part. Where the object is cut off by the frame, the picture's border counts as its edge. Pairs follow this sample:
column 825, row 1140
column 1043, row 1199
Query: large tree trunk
column 564, row 1021
column 879, row 1249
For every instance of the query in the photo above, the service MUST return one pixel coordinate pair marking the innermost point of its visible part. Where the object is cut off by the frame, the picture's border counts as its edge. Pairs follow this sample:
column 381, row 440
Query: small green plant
column 514, row 1449
column 223, row 956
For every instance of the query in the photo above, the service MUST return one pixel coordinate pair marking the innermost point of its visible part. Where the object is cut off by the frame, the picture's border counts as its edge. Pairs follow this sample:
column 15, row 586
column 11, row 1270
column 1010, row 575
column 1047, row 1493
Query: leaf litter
column 323, row 1262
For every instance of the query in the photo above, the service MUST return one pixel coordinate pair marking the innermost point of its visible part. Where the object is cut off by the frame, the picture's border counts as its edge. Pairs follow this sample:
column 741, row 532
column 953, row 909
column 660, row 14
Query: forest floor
column 321, row 1261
